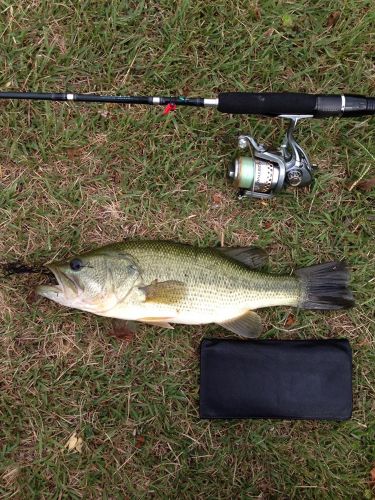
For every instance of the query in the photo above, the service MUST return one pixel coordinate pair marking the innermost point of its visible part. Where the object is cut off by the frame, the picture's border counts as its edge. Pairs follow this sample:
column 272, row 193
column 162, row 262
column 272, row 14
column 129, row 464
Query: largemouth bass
column 161, row 282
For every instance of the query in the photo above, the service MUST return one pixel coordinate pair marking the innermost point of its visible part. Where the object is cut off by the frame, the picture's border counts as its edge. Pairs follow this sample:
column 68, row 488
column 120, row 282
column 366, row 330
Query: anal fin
column 159, row 323
column 248, row 325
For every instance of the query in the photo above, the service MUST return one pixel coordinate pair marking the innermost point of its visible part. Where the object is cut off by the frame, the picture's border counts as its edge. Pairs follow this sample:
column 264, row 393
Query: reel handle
column 293, row 103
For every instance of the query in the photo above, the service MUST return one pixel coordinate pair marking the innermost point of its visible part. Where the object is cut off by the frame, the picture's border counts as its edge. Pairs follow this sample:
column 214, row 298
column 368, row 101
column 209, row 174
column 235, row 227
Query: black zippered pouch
column 285, row 379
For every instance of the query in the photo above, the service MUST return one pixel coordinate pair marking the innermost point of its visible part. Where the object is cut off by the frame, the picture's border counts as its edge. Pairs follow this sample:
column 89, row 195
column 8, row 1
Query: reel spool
column 267, row 172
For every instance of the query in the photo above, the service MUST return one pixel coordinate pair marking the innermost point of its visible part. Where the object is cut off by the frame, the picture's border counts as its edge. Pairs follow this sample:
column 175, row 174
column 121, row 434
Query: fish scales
column 213, row 280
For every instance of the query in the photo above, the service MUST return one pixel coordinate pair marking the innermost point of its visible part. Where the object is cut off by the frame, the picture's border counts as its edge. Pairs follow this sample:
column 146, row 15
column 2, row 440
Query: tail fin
column 325, row 286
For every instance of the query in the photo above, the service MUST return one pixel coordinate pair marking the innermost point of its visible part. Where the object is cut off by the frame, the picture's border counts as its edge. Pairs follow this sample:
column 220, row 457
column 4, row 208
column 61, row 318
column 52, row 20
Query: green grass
column 75, row 176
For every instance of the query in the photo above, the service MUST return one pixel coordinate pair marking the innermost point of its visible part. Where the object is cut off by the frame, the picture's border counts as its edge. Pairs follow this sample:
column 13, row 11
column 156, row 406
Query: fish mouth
column 64, row 288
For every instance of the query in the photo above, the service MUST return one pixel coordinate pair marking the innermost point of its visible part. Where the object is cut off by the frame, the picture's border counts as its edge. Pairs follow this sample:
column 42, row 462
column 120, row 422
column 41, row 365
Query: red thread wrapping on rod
column 168, row 108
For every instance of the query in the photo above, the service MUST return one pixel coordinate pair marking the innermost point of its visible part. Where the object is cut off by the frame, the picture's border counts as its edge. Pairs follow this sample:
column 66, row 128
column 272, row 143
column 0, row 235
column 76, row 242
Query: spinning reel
column 266, row 172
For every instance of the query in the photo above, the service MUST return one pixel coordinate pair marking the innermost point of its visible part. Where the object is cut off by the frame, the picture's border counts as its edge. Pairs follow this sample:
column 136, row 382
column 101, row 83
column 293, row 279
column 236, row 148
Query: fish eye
column 76, row 265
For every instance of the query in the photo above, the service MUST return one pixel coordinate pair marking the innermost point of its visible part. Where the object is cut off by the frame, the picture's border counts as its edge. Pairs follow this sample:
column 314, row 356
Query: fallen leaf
column 217, row 199
column 372, row 474
column 74, row 443
column 73, row 153
column 290, row 320
column 366, row 185
column 257, row 12
column 289, row 73
column 333, row 18
column 79, row 445
column 269, row 32
column 121, row 329
column 139, row 441
column 32, row 297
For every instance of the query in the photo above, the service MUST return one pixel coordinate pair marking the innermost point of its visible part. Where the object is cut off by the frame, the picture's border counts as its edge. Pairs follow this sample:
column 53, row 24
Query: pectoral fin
column 253, row 257
column 248, row 325
column 164, row 292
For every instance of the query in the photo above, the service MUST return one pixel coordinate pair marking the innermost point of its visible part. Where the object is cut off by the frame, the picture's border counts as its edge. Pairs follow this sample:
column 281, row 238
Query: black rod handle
column 292, row 103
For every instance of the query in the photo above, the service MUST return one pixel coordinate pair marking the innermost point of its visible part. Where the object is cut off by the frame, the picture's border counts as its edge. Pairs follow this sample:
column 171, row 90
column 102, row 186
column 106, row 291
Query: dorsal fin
column 253, row 257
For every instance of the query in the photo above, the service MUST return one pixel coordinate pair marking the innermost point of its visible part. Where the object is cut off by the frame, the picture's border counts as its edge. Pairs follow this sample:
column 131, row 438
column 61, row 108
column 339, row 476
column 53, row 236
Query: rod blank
column 118, row 99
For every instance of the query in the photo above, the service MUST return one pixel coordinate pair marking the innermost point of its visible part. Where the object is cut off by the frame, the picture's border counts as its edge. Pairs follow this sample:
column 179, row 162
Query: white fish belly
column 202, row 307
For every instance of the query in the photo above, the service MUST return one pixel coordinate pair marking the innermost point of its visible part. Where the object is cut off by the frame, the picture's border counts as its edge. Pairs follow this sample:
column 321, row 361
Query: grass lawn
column 76, row 176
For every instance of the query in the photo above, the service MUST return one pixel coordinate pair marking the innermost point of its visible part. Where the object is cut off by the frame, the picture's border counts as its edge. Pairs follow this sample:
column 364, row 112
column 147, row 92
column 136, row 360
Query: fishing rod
column 265, row 171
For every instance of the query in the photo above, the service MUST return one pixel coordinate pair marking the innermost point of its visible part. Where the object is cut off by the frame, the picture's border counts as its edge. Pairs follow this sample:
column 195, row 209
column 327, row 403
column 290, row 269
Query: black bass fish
column 161, row 282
